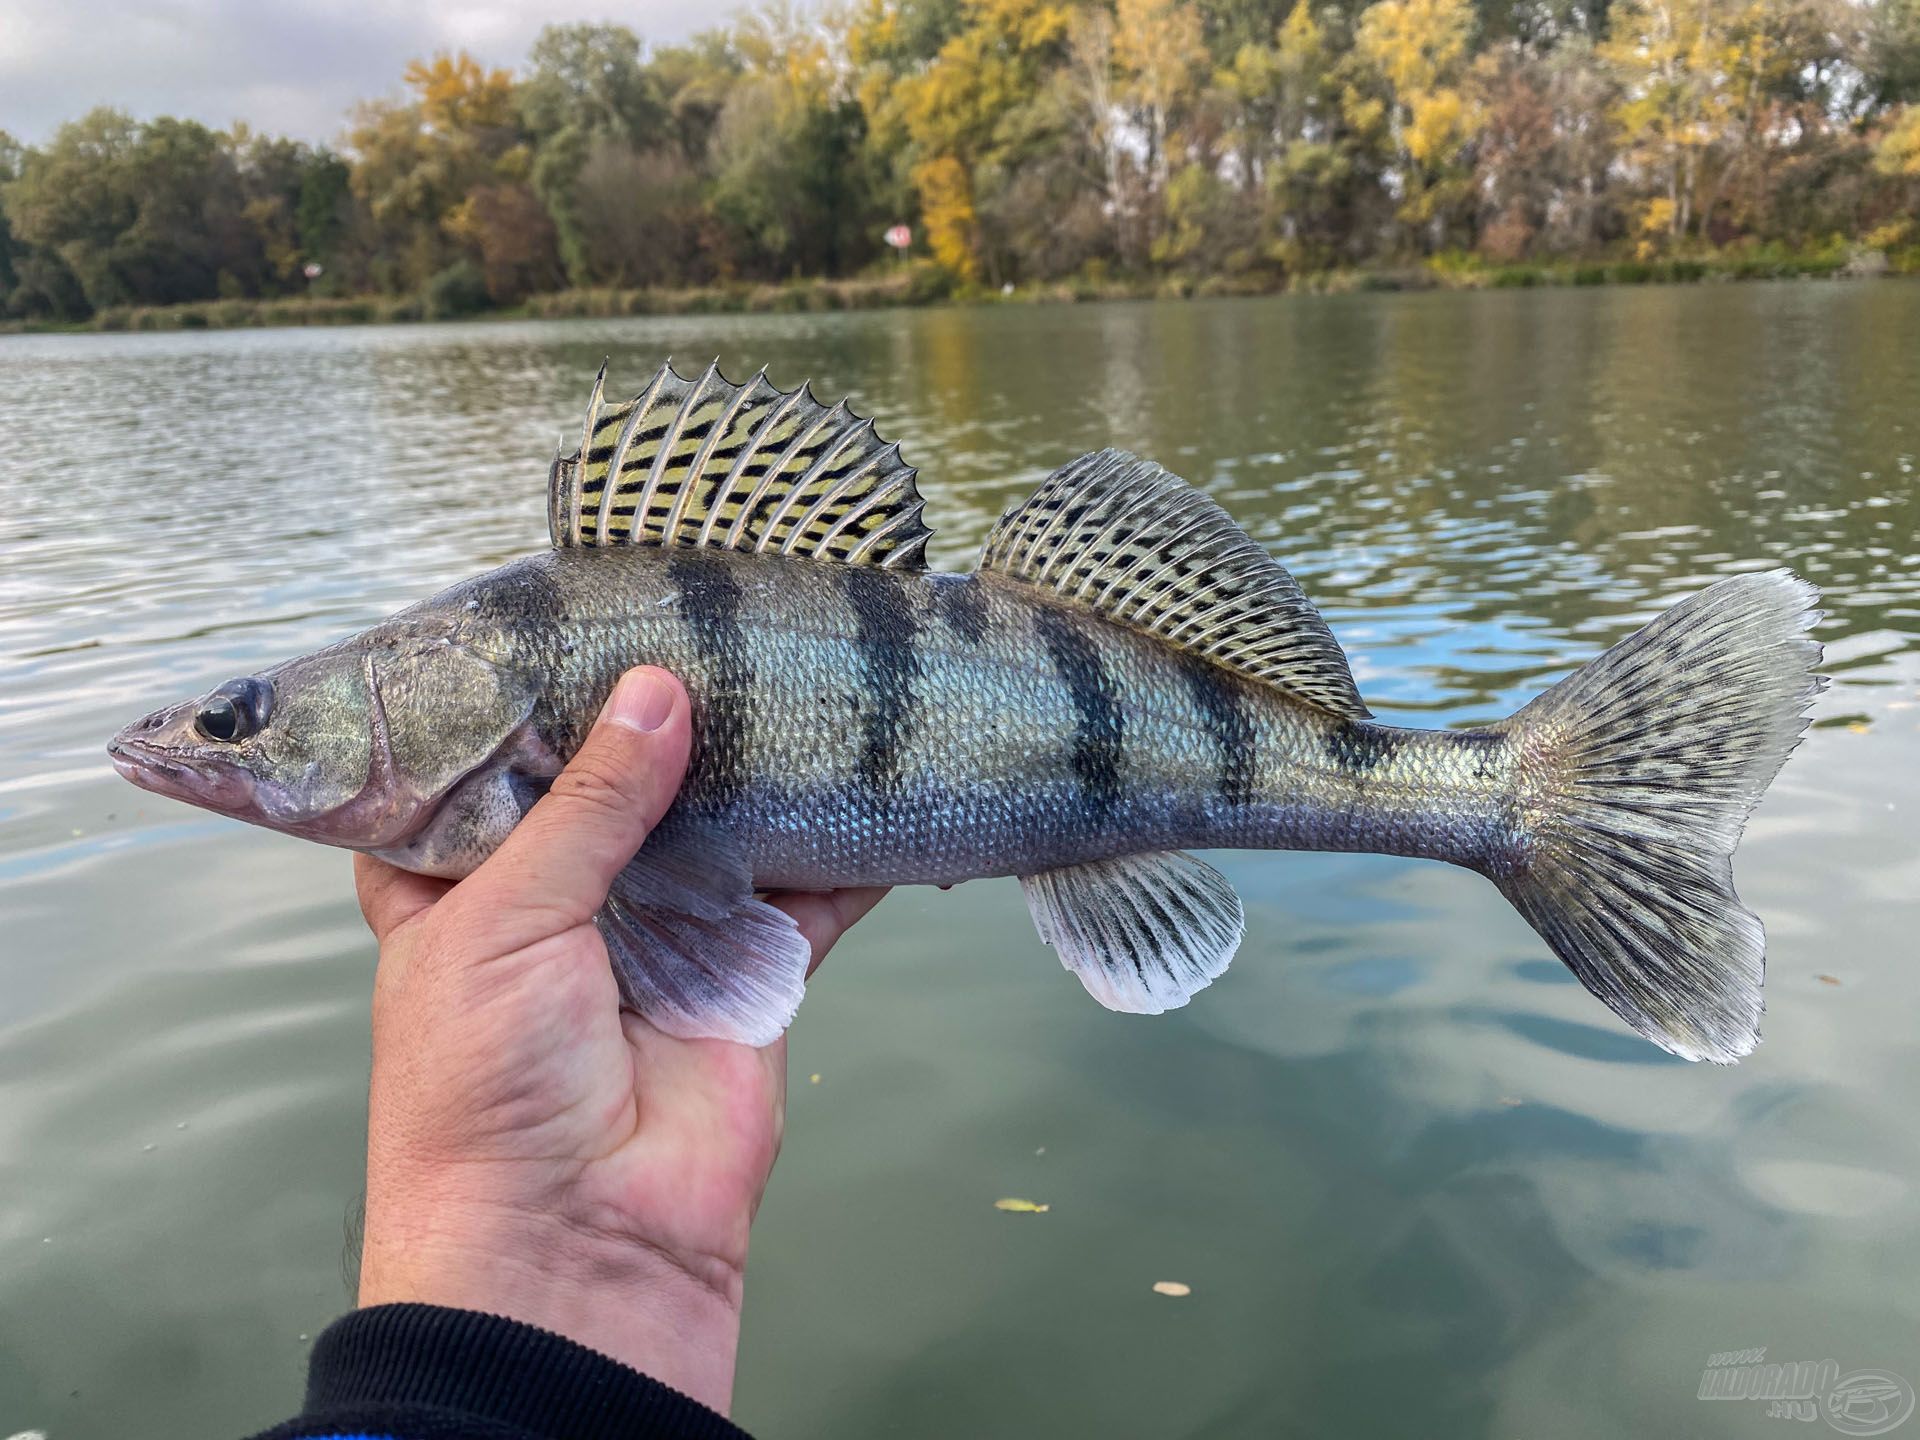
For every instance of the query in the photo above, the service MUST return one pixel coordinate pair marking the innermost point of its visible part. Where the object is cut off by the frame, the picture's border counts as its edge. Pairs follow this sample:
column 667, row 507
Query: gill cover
column 438, row 711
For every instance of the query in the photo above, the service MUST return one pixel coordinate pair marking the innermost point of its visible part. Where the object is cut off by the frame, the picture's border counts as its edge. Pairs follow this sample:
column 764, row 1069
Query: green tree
column 587, row 87
column 788, row 153
column 10, row 156
column 323, row 210
column 151, row 213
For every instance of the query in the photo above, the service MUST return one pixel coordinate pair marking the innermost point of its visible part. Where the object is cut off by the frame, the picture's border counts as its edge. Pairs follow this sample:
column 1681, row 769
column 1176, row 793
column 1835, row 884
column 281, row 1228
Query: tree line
column 1023, row 141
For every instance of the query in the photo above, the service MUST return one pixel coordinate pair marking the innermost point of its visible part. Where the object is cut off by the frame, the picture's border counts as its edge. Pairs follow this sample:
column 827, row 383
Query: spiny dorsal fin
column 1141, row 546
column 739, row 467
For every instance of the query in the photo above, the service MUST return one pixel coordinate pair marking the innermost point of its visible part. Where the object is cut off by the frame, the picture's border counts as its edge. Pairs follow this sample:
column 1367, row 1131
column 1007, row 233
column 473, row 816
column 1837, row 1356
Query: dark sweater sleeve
column 421, row 1372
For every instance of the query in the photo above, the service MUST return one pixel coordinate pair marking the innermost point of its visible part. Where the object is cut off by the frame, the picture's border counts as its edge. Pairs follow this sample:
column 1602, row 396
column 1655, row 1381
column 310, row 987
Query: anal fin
column 1143, row 932
column 695, row 953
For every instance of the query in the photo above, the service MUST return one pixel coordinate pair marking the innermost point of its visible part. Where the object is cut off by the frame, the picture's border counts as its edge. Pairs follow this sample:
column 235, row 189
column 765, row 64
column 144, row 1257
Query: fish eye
column 234, row 711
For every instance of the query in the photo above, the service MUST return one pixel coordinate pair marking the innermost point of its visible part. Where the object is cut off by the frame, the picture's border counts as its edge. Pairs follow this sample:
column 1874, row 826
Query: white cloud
column 291, row 67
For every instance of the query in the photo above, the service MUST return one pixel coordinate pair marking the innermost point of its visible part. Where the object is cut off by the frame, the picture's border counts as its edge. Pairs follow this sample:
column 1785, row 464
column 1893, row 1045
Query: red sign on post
column 899, row 237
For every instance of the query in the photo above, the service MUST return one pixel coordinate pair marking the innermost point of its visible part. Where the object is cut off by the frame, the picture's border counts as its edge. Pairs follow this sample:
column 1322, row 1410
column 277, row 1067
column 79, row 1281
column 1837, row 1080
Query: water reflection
column 1415, row 1176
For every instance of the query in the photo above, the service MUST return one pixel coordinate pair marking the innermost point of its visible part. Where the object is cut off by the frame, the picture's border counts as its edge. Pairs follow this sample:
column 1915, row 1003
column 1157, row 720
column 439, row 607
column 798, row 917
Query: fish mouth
column 210, row 784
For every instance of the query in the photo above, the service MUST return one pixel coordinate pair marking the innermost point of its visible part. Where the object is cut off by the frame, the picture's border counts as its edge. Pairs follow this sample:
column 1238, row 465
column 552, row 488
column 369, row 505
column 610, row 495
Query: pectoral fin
column 1143, row 932
column 695, row 953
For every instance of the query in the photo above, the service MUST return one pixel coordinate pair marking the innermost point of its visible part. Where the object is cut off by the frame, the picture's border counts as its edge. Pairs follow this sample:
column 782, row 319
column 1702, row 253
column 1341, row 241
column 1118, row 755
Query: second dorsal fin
column 1141, row 546
column 739, row 467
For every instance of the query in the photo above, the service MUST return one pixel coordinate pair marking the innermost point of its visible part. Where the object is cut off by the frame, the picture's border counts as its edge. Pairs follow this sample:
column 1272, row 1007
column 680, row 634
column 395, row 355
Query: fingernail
column 641, row 701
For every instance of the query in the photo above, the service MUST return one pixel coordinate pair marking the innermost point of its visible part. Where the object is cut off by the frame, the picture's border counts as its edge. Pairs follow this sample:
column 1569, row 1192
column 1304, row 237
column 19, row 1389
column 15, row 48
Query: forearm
column 419, row 1372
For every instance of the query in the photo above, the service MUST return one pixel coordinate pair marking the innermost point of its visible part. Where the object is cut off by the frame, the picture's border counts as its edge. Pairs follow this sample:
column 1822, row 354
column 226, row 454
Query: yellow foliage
column 1159, row 43
column 1418, row 51
column 1021, row 24
column 456, row 93
column 872, row 31
column 786, row 46
column 1899, row 149
column 1417, row 45
column 1437, row 125
column 950, row 109
column 946, row 208
column 1891, row 236
column 462, row 222
column 1303, row 39
column 1688, row 71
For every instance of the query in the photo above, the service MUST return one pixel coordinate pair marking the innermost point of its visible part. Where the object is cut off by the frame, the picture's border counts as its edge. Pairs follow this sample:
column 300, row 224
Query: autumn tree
column 1411, row 67
column 1667, row 56
column 1022, row 140
column 417, row 161
column 1159, row 53
column 1543, row 148
column 949, row 113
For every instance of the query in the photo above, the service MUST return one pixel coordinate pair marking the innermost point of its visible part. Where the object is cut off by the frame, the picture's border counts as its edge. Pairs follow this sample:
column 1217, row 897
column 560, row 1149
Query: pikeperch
column 1125, row 675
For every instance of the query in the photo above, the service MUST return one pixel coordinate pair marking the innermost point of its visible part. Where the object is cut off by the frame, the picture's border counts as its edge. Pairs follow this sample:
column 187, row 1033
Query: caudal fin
column 1637, row 775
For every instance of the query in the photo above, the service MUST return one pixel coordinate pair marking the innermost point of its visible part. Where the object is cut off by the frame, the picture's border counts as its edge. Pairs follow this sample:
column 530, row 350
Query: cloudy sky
column 293, row 67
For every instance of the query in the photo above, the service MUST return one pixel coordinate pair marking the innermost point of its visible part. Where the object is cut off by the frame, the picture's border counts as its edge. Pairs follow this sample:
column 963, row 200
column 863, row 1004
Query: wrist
column 619, row 1295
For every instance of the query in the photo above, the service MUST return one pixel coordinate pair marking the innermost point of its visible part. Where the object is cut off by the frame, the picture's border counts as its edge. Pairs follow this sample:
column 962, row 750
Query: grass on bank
column 457, row 293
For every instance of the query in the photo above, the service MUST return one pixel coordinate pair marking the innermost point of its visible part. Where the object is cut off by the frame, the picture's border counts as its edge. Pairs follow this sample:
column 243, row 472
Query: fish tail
column 1635, row 777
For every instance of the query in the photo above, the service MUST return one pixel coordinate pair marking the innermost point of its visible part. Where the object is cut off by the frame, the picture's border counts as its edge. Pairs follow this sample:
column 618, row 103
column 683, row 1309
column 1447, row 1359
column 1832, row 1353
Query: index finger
column 824, row 916
column 390, row 896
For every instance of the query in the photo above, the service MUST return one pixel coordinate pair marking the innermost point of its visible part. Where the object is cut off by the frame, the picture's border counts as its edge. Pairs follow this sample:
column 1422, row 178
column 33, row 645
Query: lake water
column 1418, row 1181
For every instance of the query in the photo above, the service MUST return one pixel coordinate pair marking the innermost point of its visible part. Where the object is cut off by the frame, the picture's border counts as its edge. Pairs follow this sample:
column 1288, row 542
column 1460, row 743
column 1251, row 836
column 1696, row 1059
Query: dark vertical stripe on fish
column 1100, row 733
column 884, row 635
column 1357, row 747
column 962, row 605
column 710, row 601
column 1224, row 713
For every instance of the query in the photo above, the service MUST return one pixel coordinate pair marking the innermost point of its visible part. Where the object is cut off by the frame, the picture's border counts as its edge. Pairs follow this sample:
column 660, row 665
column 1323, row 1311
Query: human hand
column 532, row 1150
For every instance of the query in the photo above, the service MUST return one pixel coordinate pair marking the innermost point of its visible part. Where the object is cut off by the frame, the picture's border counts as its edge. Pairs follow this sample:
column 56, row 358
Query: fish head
column 355, row 745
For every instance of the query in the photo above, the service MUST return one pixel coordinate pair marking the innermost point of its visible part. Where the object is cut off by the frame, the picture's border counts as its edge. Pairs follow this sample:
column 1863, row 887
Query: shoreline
column 922, row 285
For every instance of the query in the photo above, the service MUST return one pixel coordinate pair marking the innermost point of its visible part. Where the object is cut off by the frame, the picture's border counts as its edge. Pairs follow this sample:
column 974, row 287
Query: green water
column 1418, row 1181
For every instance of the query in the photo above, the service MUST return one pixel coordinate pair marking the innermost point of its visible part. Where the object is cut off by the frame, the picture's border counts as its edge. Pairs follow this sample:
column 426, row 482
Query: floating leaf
column 1828, row 979
column 813, row 1079
column 1021, row 1207
column 1858, row 729
column 1171, row 1287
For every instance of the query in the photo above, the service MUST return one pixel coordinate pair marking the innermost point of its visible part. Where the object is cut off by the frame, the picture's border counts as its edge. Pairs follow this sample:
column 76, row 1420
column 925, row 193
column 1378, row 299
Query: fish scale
column 982, row 779
column 1126, row 677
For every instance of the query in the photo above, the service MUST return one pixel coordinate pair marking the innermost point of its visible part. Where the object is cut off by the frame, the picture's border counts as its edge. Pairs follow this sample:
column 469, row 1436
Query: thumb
column 553, row 871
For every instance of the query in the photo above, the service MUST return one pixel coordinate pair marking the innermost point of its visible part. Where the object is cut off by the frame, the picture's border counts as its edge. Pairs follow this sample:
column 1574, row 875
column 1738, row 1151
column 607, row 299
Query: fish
column 1125, row 677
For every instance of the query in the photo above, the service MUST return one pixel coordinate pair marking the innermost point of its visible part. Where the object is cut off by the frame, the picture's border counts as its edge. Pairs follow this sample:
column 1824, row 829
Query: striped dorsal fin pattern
column 707, row 463
column 1142, row 547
